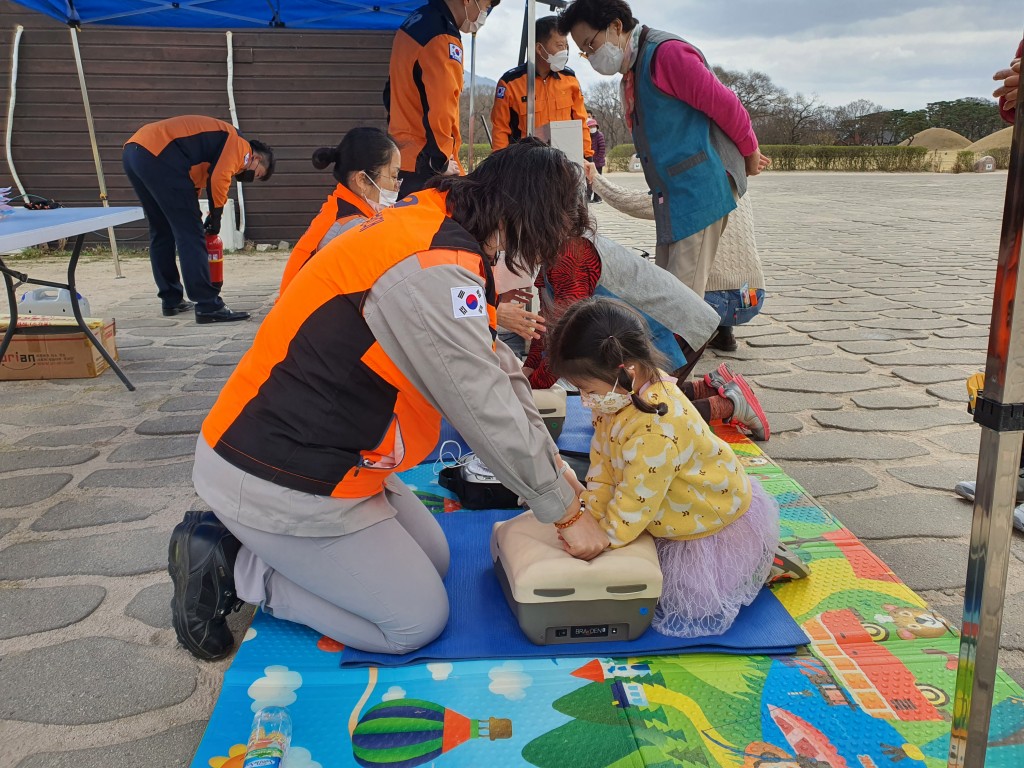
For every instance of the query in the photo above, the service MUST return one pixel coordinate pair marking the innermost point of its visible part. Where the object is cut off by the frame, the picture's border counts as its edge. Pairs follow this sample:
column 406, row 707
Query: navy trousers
column 169, row 201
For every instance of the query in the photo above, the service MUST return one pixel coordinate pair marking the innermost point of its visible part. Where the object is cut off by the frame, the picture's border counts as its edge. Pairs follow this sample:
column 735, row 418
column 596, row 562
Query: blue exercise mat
column 482, row 626
column 578, row 429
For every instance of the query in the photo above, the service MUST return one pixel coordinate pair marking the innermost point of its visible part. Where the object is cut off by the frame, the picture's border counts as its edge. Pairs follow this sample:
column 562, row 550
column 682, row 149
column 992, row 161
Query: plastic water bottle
column 270, row 738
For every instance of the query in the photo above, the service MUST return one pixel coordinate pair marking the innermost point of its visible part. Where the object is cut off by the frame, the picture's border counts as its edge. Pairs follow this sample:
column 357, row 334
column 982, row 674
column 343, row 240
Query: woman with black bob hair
column 387, row 329
column 366, row 165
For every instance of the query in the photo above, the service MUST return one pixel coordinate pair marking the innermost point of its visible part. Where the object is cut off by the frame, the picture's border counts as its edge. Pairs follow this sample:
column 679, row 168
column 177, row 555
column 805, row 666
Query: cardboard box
column 55, row 348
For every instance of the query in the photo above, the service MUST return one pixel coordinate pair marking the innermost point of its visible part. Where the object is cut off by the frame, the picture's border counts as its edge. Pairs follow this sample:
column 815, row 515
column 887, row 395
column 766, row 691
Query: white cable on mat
column 10, row 107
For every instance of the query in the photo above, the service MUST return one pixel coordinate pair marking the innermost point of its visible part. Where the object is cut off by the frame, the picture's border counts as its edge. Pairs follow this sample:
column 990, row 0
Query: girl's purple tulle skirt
column 708, row 580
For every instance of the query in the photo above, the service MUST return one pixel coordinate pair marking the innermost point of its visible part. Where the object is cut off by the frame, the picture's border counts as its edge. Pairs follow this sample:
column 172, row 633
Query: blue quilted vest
column 686, row 157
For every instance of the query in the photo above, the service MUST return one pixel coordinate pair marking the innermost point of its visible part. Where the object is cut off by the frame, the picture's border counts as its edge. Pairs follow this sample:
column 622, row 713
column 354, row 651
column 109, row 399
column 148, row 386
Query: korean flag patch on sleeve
column 500, row 93
column 468, row 301
column 455, row 52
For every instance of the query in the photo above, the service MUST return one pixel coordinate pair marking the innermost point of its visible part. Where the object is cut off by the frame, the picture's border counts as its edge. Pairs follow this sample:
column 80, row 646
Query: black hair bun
column 324, row 156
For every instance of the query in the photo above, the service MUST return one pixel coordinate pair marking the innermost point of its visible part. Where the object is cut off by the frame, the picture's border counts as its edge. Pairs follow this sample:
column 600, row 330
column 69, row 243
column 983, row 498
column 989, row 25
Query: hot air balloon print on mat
column 404, row 733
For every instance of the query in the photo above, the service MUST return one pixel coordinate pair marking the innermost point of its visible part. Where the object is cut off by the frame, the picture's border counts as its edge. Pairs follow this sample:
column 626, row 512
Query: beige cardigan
column 737, row 262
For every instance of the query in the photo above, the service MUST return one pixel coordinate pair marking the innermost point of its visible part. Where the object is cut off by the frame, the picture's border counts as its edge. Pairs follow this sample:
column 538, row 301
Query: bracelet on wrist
column 572, row 520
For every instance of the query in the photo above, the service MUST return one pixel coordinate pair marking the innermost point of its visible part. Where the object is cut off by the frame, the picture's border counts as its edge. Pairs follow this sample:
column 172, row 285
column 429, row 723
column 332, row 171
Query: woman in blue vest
column 692, row 135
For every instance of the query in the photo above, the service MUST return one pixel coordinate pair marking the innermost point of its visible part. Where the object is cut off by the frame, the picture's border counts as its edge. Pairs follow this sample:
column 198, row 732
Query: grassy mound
column 937, row 138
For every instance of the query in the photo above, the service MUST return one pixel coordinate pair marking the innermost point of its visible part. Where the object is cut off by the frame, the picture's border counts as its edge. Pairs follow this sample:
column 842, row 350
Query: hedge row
column 793, row 157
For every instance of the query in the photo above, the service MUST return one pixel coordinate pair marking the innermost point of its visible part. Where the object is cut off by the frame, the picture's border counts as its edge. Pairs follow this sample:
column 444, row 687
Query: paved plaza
column 880, row 290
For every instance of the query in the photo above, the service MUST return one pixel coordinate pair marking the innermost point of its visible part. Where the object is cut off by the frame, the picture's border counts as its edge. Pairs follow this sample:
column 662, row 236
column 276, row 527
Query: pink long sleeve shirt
column 678, row 70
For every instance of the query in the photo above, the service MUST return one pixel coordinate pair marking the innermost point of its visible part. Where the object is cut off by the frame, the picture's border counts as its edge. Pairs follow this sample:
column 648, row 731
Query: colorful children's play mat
column 872, row 689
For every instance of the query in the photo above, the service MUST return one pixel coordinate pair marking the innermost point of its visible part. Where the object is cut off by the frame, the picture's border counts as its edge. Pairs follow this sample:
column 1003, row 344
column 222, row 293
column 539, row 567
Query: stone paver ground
column 880, row 288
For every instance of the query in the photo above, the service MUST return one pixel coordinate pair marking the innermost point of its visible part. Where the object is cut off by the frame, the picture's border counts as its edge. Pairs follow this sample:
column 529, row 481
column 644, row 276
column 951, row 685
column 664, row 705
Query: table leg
column 12, row 301
column 72, row 265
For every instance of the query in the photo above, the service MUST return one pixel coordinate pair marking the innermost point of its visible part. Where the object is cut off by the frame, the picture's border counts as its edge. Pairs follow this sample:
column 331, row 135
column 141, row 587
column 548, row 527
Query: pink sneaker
column 746, row 409
column 719, row 378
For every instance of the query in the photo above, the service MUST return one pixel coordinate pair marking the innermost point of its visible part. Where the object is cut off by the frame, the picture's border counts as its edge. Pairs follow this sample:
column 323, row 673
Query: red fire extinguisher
column 215, row 252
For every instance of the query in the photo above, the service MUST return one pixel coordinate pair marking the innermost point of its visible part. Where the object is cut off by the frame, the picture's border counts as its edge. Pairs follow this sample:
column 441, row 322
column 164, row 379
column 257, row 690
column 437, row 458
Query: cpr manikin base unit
column 557, row 598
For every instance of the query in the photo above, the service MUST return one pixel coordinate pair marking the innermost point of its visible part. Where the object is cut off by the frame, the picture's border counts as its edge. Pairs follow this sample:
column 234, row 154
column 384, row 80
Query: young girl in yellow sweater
column 656, row 466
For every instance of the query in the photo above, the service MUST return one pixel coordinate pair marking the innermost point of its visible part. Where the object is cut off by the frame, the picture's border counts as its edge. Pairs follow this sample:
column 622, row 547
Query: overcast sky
column 897, row 53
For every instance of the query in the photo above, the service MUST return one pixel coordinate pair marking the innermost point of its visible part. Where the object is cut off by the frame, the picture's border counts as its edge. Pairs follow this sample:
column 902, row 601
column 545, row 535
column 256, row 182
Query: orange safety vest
column 343, row 206
column 209, row 150
column 316, row 405
column 558, row 97
column 423, row 89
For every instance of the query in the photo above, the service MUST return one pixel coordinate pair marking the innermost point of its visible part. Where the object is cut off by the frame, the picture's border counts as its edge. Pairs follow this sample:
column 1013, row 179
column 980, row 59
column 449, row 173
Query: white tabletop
column 24, row 228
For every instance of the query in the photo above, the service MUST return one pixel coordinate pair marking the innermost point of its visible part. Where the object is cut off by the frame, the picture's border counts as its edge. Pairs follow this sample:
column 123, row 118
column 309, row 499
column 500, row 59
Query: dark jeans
column 169, row 201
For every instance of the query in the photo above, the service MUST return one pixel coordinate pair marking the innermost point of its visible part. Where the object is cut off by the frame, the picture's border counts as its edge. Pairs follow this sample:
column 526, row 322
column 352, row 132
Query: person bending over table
column 390, row 327
column 366, row 165
column 169, row 163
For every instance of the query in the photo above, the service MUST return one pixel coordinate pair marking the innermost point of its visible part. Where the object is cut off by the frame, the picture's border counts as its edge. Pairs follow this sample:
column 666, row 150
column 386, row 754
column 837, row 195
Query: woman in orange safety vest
column 390, row 327
column 366, row 165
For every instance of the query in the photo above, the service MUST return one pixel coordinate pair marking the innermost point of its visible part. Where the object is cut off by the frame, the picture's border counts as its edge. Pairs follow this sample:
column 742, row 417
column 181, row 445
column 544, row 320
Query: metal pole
column 95, row 148
column 531, row 65
column 472, row 99
column 1001, row 414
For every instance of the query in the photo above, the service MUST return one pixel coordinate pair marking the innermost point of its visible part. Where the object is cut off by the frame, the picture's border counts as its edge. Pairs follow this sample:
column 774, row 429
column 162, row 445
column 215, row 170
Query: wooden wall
column 293, row 90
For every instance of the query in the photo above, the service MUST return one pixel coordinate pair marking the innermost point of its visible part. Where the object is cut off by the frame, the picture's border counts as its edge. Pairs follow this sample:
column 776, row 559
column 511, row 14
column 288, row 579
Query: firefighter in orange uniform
column 169, row 163
column 558, row 92
column 424, row 86
column 366, row 169
column 389, row 327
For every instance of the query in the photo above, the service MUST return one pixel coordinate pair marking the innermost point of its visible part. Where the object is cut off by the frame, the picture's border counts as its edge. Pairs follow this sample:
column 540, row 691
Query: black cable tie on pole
column 999, row 417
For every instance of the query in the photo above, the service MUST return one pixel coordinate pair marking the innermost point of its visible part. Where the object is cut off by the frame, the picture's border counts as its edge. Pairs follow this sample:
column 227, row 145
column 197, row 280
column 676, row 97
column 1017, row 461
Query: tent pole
column 531, row 66
column 10, row 110
column 1001, row 413
column 95, row 148
column 472, row 99
column 234, row 122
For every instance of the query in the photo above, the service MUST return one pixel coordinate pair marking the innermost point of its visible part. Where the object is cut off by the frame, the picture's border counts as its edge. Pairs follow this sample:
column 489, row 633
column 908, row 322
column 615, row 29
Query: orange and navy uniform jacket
column 210, row 151
column 424, row 87
column 343, row 208
column 559, row 97
column 316, row 405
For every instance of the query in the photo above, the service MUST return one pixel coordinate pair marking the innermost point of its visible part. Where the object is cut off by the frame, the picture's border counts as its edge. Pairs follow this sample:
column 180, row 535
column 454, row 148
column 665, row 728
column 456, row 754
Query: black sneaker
column 222, row 315
column 177, row 309
column 201, row 561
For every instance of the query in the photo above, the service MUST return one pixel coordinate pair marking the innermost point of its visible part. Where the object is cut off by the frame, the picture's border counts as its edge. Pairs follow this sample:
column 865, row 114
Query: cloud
column 276, row 689
column 250, row 634
column 440, row 671
column 392, row 693
column 900, row 55
column 509, row 681
column 299, row 757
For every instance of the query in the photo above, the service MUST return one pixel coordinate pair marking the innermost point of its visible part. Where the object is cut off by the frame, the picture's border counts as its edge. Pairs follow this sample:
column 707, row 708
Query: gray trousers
column 377, row 588
column 692, row 258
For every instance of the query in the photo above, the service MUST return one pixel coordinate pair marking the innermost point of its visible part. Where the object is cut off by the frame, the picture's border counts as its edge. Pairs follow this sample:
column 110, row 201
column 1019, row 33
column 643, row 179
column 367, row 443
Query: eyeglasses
column 589, row 46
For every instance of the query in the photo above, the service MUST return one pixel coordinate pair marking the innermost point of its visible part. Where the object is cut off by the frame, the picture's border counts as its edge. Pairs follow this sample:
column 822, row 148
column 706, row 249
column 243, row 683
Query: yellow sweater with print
column 669, row 475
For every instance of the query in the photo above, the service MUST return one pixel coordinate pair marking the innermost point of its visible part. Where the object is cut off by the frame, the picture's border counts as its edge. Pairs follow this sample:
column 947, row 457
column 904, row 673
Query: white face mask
column 387, row 197
column 557, row 61
column 607, row 60
column 472, row 27
column 609, row 403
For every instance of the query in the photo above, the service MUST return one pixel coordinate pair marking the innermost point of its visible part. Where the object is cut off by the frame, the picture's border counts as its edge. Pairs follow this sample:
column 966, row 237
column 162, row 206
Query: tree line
column 780, row 117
